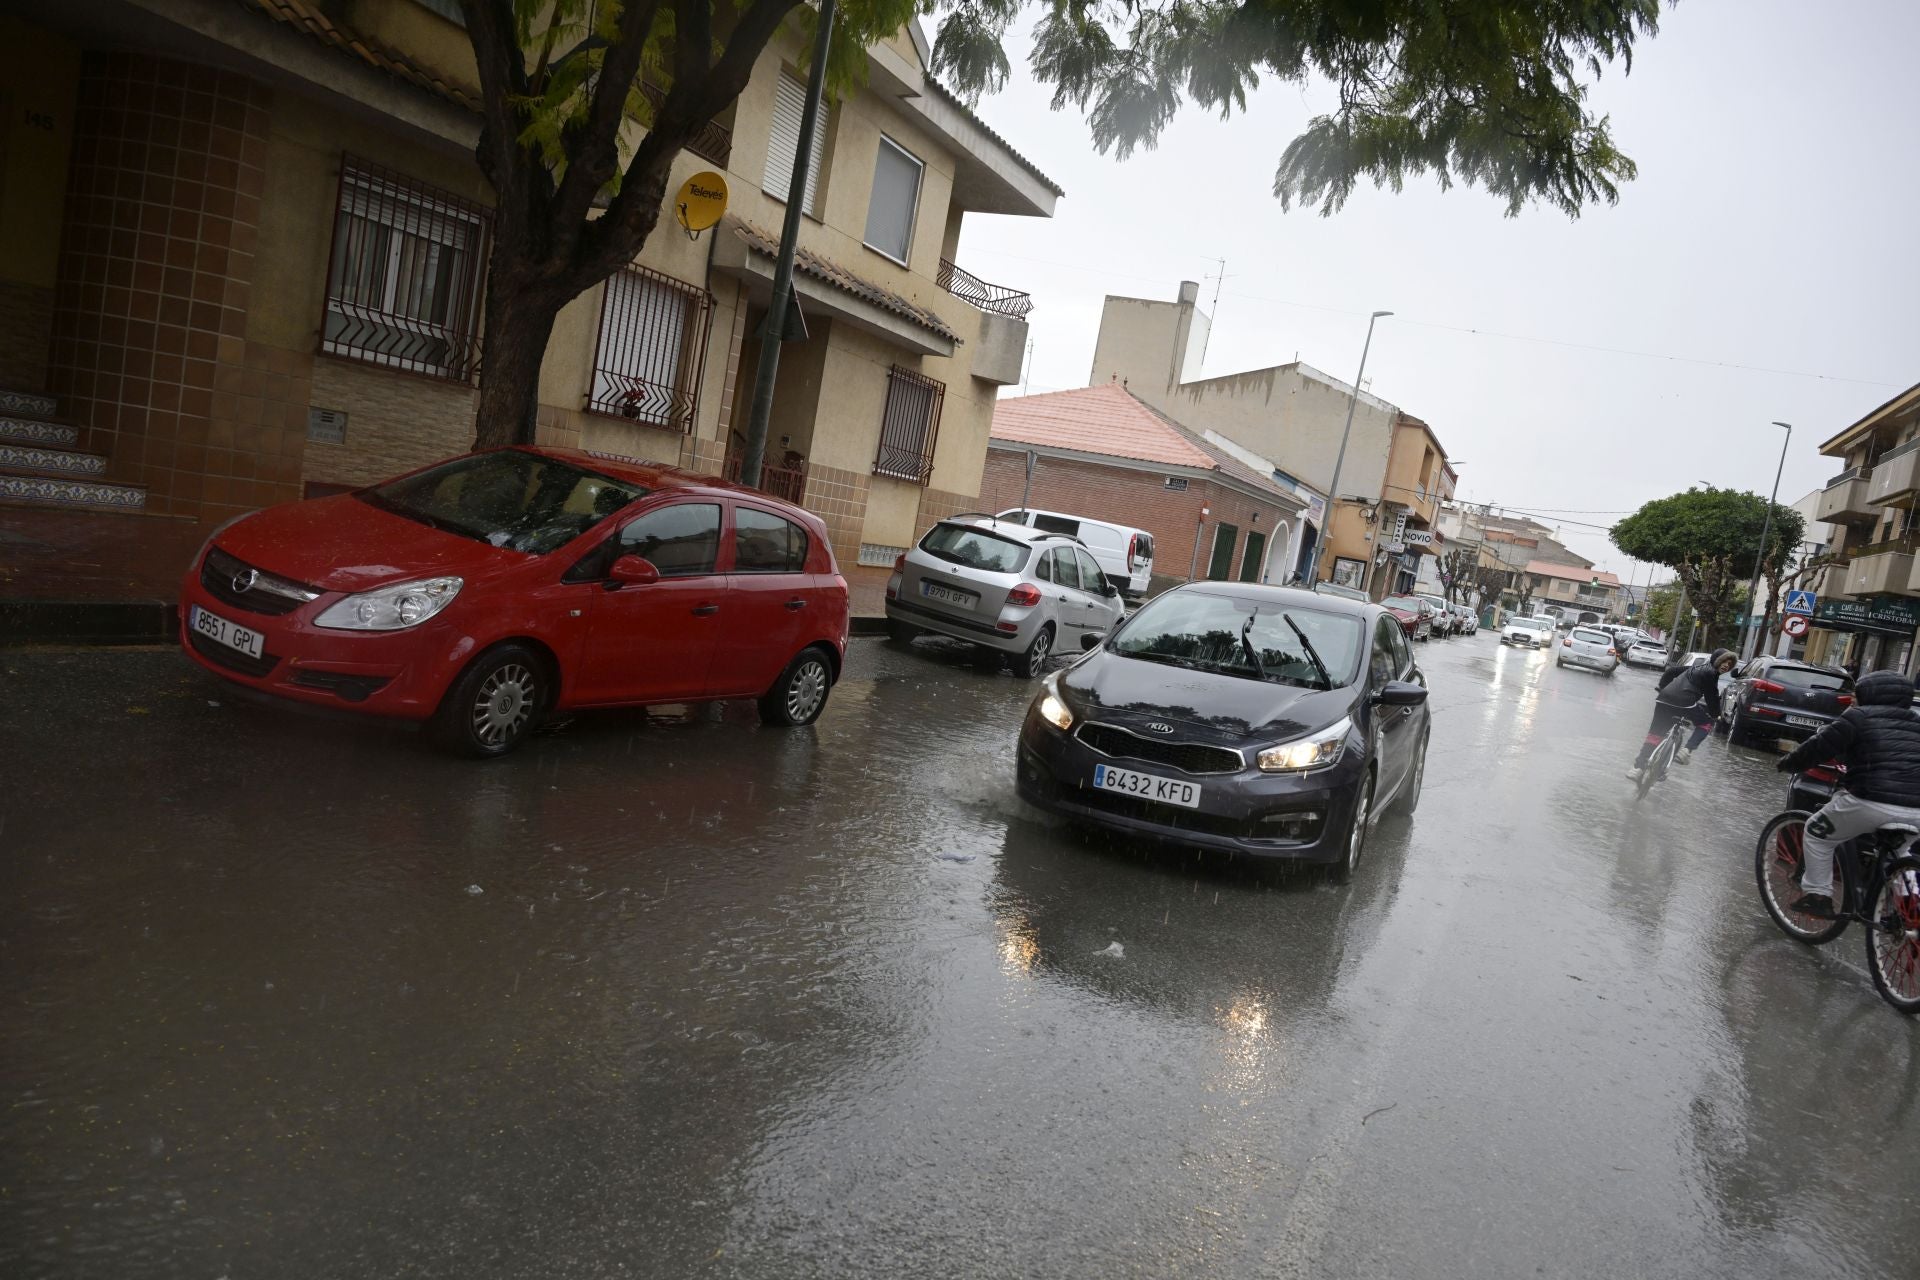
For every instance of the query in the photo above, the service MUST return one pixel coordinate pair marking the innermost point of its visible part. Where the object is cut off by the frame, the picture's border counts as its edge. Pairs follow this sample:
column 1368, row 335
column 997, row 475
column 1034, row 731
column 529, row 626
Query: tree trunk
column 519, row 324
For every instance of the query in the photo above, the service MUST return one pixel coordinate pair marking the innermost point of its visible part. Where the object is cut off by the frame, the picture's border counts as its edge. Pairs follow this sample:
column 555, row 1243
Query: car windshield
column 1593, row 637
column 963, row 544
column 1249, row 638
column 1406, row 604
column 1807, row 678
column 508, row 498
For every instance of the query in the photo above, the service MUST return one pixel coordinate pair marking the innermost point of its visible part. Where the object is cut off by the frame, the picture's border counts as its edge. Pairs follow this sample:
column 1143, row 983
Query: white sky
column 1775, row 225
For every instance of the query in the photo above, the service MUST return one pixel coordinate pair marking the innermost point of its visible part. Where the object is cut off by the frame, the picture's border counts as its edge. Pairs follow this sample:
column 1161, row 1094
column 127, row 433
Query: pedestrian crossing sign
column 1799, row 602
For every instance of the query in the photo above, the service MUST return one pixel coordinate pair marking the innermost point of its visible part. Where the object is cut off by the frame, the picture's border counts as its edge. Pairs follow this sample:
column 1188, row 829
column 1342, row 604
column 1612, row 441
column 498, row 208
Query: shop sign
column 1886, row 615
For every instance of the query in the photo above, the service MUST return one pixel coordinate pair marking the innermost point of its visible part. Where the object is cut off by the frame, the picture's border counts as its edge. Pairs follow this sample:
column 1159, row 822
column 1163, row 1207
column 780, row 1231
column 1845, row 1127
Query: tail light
column 1820, row 773
column 1133, row 549
column 900, row 562
column 1026, row 595
column 1612, row 652
column 1845, row 699
column 1768, row 686
column 1567, row 643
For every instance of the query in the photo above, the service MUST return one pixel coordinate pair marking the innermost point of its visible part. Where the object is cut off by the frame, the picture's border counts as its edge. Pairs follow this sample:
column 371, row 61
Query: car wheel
column 496, row 702
column 1737, row 728
column 1356, row 834
column 1031, row 661
column 800, row 694
column 901, row 632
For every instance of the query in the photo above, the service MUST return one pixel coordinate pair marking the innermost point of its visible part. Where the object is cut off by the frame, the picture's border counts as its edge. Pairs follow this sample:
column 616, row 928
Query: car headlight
column 395, row 608
column 1315, row 751
column 1052, row 707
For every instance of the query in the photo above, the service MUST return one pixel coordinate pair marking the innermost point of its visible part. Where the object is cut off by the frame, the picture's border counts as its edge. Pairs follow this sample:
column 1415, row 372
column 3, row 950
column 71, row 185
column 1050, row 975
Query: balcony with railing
column 1000, row 346
column 714, row 141
column 1896, row 477
column 1844, row 500
column 1883, row 568
column 996, row 298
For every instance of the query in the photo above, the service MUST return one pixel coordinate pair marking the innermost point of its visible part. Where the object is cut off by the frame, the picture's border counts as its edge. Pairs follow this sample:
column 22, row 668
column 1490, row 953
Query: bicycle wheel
column 1656, row 770
column 1777, row 862
column 1893, row 937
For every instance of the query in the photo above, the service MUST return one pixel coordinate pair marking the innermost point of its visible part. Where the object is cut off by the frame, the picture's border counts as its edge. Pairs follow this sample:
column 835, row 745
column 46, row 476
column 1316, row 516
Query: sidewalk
column 87, row 577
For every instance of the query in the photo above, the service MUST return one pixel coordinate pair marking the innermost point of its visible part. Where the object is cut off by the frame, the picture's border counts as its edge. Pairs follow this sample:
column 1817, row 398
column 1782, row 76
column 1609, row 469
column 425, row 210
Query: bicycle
column 1661, row 760
column 1876, row 882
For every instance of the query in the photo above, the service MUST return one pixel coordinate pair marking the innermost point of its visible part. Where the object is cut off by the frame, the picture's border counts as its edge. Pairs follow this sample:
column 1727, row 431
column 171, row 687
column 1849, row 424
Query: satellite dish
column 700, row 202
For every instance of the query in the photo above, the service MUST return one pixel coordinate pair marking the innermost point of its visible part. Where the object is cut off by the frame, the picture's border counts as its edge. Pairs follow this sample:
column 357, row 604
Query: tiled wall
column 840, row 498
column 26, row 316
column 703, row 455
column 148, row 353
column 395, row 421
column 937, row 504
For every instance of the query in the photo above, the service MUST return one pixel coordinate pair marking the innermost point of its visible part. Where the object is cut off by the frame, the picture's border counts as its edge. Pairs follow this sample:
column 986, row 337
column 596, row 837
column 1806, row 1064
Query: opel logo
column 243, row 581
column 1156, row 726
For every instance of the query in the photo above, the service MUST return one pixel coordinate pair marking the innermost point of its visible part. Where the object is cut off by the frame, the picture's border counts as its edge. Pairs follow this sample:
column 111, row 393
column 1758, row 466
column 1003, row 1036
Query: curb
column 87, row 622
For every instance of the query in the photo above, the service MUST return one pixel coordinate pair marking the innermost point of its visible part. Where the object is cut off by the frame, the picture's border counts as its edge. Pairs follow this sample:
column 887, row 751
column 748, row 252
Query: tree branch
column 502, row 68
column 592, row 166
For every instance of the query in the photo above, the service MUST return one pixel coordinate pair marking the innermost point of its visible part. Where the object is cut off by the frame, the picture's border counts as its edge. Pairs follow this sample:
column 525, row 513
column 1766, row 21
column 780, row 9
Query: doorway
column 1251, row 561
column 1220, row 568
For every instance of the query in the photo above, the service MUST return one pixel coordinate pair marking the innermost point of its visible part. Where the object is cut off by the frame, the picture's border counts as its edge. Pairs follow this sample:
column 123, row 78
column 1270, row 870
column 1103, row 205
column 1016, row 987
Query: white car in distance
column 1531, row 633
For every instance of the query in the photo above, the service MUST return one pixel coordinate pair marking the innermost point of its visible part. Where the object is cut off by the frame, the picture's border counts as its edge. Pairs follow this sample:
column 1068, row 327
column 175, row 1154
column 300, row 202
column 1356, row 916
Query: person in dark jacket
column 1686, row 694
column 1878, row 739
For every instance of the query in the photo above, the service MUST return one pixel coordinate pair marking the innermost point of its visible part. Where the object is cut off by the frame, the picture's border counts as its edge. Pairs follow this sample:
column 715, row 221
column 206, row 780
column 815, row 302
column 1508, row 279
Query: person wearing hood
column 1689, row 694
column 1878, row 739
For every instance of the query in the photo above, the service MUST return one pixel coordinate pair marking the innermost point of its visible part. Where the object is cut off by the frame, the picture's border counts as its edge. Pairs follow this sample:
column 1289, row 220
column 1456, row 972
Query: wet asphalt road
column 687, row 997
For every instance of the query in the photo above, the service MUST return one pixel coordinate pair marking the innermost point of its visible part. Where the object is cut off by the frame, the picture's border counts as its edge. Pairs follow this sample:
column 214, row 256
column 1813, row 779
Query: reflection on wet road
column 687, row 997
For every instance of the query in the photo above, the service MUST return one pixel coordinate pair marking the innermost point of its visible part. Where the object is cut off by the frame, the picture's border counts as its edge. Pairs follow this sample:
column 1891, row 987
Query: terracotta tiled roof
column 812, row 264
column 305, row 17
column 1573, row 573
column 1110, row 420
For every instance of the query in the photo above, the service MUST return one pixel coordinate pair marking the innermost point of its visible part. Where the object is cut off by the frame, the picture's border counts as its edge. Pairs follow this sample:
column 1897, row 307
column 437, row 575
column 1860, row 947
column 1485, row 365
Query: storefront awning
column 1882, row 615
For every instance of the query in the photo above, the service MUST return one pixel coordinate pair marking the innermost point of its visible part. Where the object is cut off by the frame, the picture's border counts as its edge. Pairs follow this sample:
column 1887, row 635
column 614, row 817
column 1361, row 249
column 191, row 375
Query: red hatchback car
column 480, row 593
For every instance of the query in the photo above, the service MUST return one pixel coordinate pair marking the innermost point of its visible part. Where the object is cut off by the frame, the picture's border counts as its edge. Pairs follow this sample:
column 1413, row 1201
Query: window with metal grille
column 910, row 426
column 403, row 283
column 652, row 350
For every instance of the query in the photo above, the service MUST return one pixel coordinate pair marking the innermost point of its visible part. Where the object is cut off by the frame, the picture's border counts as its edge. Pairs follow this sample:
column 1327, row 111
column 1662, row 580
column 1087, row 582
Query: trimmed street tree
column 587, row 102
column 1710, row 537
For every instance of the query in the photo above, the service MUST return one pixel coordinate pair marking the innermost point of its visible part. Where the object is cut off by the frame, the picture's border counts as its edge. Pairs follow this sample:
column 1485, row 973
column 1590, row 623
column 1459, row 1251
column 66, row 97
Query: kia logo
column 1157, row 727
column 243, row 581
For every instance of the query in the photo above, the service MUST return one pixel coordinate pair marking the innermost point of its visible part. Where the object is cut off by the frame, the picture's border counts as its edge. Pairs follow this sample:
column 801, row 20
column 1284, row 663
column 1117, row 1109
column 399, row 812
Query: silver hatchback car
column 1023, row 592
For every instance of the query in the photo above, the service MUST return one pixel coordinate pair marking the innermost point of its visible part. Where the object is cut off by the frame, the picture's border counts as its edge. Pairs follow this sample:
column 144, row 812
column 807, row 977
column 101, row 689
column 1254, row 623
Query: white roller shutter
column 783, row 143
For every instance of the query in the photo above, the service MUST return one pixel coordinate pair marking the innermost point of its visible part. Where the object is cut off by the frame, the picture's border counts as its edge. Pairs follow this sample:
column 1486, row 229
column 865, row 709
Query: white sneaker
column 1633, row 775
column 1684, row 756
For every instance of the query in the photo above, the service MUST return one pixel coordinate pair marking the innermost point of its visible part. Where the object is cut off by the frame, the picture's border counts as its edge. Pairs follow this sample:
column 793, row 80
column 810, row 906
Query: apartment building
column 1870, row 599
column 243, row 245
column 1291, row 413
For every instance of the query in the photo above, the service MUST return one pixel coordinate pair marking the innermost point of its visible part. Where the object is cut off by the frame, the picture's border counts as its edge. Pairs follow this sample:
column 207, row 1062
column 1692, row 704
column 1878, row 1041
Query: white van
column 1124, row 552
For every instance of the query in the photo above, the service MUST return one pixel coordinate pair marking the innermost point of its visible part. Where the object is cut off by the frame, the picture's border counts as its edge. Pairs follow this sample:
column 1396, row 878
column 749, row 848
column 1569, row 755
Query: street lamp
column 1766, row 527
column 1333, row 490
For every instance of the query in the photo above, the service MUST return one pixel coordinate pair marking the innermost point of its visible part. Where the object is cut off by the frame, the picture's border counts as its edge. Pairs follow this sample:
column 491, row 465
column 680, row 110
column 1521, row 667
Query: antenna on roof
column 1218, row 280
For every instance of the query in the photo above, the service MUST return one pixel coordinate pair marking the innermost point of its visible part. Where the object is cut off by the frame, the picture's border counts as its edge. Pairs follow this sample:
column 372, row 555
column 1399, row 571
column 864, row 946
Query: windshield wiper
column 1326, row 677
column 1246, row 643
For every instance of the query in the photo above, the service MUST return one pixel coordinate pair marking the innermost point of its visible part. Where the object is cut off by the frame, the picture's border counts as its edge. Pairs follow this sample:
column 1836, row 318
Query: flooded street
column 683, row 996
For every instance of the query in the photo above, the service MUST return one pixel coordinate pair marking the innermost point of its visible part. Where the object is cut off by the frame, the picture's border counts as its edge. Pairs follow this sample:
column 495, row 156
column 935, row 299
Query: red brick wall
column 1137, row 498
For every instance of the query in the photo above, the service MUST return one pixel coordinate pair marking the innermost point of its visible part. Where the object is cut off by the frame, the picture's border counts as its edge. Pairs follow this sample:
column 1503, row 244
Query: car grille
column 232, row 659
column 1188, row 757
column 219, row 569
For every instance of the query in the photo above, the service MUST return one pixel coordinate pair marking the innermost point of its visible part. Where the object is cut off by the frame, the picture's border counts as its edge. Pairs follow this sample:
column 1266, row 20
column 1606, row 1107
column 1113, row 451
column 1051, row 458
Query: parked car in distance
column 1262, row 721
column 1344, row 593
column 1445, row 622
column 1771, row 698
column 1016, row 590
column 1590, row 649
column 1468, row 621
column 1646, row 653
column 1124, row 553
column 481, row 593
column 1528, row 633
column 1422, row 613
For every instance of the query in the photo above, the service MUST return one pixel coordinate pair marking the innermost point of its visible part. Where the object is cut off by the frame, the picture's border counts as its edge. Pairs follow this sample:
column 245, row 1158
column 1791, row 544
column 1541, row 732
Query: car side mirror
column 1090, row 641
column 1400, row 693
column 632, row 571
column 1107, row 588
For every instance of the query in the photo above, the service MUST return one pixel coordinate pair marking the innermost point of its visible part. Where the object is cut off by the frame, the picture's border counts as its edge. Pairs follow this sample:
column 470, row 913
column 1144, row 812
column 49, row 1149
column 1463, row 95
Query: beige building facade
column 245, row 257
column 1870, row 596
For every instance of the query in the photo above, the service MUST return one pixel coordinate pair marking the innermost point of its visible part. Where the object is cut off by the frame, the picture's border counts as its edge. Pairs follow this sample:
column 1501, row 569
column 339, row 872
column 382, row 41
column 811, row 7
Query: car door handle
column 705, row 610
column 796, row 604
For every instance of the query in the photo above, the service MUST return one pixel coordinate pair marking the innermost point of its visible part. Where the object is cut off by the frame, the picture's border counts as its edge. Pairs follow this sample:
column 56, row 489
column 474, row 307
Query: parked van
column 1124, row 553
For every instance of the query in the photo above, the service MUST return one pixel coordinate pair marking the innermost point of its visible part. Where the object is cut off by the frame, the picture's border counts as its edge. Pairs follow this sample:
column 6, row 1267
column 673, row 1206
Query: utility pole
column 1339, row 459
column 1218, row 280
column 1751, row 641
column 773, row 331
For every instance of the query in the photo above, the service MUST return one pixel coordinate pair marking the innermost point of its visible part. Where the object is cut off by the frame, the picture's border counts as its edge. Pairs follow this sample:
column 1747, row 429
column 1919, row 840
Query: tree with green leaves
column 1711, row 538
column 587, row 102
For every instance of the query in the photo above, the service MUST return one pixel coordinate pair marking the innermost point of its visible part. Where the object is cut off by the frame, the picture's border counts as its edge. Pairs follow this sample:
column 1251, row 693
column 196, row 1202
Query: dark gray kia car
column 1254, row 720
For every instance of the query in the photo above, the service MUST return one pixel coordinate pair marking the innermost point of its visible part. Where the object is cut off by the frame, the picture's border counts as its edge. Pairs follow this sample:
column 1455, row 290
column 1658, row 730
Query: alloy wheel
column 504, row 704
column 1357, row 836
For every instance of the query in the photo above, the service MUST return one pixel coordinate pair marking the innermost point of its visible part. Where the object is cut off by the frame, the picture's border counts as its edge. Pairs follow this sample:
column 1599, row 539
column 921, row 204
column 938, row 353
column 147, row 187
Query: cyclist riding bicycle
column 1687, row 694
column 1878, row 739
